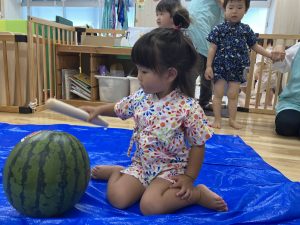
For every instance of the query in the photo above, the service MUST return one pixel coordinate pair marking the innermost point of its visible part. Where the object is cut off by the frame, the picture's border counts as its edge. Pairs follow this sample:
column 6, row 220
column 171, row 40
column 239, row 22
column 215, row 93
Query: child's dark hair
column 270, row 42
column 181, row 18
column 165, row 48
column 180, row 15
column 247, row 3
column 169, row 6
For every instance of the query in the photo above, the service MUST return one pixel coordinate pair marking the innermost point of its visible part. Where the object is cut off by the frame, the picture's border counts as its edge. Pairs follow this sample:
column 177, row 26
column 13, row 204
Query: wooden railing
column 43, row 35
column 12, row 76
column 256, row 99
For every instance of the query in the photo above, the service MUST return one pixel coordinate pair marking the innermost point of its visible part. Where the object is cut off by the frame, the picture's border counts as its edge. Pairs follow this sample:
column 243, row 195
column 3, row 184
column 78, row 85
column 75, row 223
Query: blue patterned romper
column 232, row 56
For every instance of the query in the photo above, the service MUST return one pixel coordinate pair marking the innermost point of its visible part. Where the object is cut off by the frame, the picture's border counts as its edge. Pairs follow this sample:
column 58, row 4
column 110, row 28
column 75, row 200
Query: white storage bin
column 112, row 89
column 134, row 84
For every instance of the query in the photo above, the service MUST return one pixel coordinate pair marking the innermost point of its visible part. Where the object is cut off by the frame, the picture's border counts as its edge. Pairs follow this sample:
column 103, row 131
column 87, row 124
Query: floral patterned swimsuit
column 165, row 128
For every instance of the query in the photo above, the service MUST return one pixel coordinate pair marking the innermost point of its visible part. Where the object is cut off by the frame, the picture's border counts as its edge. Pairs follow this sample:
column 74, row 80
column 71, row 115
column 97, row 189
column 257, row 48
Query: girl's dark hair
column 168, row 6
column 179, row 14
column 247, row 3
column 181, row 18
column 164, row 48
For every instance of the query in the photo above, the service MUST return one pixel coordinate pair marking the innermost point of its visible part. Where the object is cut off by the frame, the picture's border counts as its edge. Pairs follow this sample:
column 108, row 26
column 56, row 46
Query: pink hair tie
column 177, row 27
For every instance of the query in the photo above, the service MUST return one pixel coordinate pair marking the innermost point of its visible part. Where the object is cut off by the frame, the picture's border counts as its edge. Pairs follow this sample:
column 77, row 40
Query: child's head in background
column 164, row 12
column 170, row 13
column 235, row 10
column 165, row 59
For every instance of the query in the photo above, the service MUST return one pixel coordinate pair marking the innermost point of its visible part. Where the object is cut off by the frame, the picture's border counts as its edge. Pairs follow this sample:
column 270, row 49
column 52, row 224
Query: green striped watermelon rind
column 46, row 174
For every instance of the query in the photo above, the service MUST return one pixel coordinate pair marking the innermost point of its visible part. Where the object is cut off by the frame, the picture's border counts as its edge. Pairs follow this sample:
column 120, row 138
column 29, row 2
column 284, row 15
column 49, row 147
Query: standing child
column 228, row 56
column 164, row 167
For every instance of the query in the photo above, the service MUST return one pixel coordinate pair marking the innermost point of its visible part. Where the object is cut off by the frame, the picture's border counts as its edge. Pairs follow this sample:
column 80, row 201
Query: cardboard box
column 100, row 41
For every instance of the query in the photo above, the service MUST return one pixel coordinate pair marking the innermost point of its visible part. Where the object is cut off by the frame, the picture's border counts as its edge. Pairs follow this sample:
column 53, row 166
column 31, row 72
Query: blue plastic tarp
column 255, row 192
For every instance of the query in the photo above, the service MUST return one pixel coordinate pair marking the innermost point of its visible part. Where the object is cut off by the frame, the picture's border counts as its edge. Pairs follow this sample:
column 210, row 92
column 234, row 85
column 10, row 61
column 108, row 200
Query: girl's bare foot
column 102, row 172
column 235, row 124
column 217, row 124
column 210, row 199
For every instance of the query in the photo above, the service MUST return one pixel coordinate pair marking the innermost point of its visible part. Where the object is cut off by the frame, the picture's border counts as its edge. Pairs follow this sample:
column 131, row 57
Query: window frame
column 260, row 3
column 64, row 3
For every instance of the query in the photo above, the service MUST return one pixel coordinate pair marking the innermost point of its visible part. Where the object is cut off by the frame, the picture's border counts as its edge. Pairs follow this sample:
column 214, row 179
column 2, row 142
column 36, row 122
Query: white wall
column 12, row 9
column 284, row 17
column 145, row 15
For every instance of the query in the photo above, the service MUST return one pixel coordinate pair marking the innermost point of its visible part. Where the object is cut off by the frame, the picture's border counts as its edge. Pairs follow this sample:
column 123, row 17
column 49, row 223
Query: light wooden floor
column 258, row 132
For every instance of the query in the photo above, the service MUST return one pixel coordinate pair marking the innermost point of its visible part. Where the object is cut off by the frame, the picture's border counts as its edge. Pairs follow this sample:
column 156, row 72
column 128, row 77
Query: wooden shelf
column 93, row 50
column 67, row 57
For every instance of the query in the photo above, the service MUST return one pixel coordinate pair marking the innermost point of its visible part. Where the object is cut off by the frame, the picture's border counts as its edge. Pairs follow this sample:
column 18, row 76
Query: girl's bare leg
column 232, row 94
column 210, row 199
column 217, row 102
column 123, row 190
column 159, row 198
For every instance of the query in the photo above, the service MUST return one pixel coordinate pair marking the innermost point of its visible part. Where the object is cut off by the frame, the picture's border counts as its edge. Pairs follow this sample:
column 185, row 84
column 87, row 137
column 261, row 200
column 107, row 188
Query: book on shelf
column 83, row 78
column 80, row 84
column 80, row 94
column 66, row 82
column 76, row 90
column 75, row 83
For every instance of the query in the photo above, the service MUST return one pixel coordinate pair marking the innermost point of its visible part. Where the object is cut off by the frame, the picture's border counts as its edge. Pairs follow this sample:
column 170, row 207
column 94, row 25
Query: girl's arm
column 103, row 110
column 196, row 158
column 185, row 181
column 210, row 58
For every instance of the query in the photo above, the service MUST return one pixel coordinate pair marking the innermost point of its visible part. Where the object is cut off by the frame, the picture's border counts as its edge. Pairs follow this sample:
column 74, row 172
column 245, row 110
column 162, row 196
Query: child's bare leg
column 210, row 199
column 103, row 172
column 217, row 102
column 232, row 95
column 159, row 198
column 123, row 190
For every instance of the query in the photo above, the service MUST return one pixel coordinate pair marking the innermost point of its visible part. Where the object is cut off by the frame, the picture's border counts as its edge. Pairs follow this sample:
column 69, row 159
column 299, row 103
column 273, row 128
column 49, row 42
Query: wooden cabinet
column 68, row 57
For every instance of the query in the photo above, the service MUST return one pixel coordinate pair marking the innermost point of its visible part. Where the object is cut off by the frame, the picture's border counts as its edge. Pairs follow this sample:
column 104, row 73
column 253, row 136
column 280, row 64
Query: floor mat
column 256, row 193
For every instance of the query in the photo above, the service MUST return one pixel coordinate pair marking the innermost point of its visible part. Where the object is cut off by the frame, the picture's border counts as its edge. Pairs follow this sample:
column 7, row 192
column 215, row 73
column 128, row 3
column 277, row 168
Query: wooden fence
column 263, row 84
column 13, row 72
column 35, row 81
column 43, row 35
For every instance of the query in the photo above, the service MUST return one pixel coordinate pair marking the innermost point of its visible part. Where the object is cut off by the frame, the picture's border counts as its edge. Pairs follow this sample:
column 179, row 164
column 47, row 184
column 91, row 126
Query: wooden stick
column 72, row 111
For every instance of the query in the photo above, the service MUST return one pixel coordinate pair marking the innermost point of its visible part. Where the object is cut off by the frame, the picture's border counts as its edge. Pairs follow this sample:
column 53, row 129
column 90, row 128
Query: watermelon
column 46, row 174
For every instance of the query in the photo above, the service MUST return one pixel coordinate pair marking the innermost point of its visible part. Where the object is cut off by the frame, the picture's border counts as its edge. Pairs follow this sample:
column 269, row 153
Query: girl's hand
column 278, row 53
column 92, row 110
column 209, row 73
column 185, row 184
